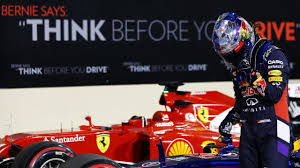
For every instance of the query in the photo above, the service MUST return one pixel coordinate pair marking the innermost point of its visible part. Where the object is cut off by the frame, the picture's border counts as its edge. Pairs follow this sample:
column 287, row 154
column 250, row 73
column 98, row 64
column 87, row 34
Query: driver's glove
column 226, row 125
column 225, row 128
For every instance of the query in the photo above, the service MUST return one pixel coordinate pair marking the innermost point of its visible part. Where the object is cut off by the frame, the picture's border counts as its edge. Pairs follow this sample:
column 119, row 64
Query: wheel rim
column 53, row 163
column 7, row 163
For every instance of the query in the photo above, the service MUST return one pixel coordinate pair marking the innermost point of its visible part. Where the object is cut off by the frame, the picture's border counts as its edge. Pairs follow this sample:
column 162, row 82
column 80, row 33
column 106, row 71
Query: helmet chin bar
column 233, row 58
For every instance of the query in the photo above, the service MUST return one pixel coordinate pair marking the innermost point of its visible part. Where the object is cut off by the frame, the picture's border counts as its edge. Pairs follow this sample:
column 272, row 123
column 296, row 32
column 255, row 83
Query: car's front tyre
column 43, row 155
column 90, row 161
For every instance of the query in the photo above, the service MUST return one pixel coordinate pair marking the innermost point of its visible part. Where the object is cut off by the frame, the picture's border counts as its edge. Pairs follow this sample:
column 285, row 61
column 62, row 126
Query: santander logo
column 75, row 138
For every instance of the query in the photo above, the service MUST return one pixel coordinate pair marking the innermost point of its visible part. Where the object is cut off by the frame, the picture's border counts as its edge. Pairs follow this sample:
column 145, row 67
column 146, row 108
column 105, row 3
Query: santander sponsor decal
column 70, row 139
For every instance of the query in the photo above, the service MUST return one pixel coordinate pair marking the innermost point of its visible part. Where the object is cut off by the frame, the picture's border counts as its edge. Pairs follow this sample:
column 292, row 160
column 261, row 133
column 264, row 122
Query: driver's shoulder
column 274, row 53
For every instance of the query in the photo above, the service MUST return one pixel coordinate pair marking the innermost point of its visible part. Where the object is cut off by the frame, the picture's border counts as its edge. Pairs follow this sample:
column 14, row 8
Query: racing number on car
column 203, row 114
column 103, row 142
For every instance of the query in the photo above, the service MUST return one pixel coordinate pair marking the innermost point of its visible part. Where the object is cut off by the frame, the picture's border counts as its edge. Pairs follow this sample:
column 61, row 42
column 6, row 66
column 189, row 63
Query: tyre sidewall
column 35, row 155
column 90, row 160
column 97, row 163
column 45, row 156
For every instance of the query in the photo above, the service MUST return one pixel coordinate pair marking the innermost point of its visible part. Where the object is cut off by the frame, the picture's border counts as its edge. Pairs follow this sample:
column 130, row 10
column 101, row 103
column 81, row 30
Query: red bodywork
column 187, row 127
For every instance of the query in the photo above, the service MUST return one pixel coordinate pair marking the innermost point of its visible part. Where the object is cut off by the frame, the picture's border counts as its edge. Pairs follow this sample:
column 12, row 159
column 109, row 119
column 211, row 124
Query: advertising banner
column 97, row 42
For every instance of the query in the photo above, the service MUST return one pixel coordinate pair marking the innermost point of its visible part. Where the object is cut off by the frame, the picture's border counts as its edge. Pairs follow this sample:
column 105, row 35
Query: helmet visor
column 225, row 36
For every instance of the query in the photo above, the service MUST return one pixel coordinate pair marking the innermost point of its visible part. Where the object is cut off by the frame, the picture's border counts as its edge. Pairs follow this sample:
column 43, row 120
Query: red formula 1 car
column 190, row 125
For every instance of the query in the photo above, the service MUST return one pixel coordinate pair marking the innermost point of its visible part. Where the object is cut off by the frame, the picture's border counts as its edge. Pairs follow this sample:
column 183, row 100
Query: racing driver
column 260, row 76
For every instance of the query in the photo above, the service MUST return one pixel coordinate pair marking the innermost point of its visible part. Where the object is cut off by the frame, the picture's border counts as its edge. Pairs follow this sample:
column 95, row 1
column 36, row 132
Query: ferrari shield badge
column 203, row 114
column 103, row 142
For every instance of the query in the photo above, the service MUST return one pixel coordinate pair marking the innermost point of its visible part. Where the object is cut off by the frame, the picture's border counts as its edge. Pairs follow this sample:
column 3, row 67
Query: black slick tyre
column 43, row 154
column 90, row 161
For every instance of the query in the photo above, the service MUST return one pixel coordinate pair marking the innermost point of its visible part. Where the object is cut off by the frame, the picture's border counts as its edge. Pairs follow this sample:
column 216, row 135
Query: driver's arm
column 233, row 117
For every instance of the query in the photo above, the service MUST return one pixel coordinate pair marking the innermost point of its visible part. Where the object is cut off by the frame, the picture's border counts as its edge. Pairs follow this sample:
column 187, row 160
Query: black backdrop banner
column 99, row 42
